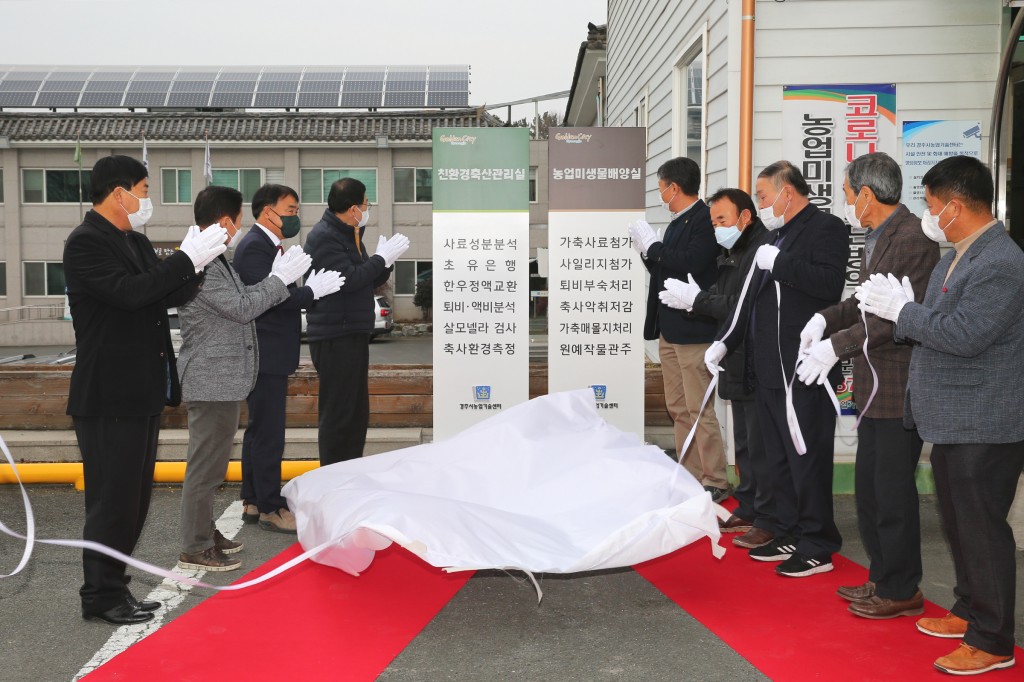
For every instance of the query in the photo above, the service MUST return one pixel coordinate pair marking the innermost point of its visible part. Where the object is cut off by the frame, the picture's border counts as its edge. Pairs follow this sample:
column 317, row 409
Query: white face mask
column 930, row 225
column 768, row 217
column 365, row 219
column 664, row 204
column 727, row 236
column 142, row 216
column 235, row 237
column 851, row 214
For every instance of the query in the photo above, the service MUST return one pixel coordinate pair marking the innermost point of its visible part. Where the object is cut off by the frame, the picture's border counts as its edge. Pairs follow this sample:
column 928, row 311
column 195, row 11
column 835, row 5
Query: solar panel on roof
column 10, row 85
column 447, row 99
column 101, row 99
column 16, row 99
column 321, row 86
column 62, row 86
column 323, row 76
column 112, row 75
column 231, row 99
column 239, row 76
column 191, row 86
column 106, row 86
column 235, row 86
column 403, row 99
column 145, row 99
column 275, row 99
column 406, row 85
column 278, row 86
column 57, row 99
column 281, row 76
column 318, row 99
column 188, row 99
column 149, row 86
column 360, row 99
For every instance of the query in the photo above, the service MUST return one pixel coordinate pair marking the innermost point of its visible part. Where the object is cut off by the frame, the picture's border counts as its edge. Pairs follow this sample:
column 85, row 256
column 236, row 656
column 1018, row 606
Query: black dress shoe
column 122, row 614
column 143, row 605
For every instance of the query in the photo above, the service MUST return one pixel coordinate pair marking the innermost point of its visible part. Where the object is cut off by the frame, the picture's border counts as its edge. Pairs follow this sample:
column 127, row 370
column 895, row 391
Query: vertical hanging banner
column 596, row 284
column 481, row 274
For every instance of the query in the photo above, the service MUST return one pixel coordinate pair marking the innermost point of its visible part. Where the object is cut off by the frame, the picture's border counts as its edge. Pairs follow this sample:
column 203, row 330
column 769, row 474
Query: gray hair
column 879, row 172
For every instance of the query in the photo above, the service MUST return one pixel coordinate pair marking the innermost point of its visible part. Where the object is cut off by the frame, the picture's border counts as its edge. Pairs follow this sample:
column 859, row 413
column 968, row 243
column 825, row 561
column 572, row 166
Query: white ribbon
column 30, row 542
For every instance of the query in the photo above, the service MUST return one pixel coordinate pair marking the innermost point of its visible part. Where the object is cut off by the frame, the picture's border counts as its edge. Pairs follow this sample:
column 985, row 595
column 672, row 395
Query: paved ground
column 609, row 625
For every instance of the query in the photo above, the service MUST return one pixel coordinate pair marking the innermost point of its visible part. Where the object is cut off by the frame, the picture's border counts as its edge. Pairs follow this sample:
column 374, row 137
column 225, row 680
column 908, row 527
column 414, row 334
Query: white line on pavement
column 171, row 593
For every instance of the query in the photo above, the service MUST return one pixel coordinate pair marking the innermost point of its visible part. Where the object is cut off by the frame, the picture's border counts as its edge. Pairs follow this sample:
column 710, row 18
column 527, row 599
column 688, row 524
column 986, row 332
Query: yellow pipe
column 747, row 96
column 165, row 472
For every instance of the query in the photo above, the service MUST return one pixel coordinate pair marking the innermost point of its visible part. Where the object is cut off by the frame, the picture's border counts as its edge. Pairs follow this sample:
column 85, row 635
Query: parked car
column 382, row 316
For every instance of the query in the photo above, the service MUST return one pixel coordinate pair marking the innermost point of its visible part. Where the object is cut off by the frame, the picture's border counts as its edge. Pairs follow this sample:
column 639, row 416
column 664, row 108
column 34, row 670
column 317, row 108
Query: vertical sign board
column 824, row 128
column 595, row 278
column 925, row 143
column 481, row 274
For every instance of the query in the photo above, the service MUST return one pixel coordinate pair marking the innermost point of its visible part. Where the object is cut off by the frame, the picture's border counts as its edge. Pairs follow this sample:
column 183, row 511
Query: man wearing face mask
column 802, row 271
column 125, row 369
column 219, row 365
column 339, row 327
column 278, row 332
column 689, row 250
column 968, row 337
column 739, row 231
column 887, row 453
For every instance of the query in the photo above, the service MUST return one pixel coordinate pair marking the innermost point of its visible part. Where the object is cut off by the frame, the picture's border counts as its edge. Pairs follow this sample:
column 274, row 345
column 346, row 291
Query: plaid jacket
column 901, row 249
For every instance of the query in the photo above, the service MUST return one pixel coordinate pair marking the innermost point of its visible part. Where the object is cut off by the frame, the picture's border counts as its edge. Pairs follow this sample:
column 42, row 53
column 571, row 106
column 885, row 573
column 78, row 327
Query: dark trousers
column 118, row 456
column 263, row 443
column 756, row 502
column 887, row 505
column 343, row 364
column 801, row 484
column 975, row 485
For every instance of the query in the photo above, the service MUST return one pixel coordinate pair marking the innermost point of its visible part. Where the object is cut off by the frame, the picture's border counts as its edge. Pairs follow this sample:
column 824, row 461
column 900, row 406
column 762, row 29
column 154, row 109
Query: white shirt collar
column 273, row 237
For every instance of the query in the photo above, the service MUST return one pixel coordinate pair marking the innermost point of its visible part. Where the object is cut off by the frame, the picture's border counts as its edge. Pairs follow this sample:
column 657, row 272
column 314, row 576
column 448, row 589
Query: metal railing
column 32, row 313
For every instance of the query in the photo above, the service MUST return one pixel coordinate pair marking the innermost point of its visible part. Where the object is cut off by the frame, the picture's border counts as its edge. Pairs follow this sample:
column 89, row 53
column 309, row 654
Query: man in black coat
column 124, row 372
column 688, row 249
column 339, row 327
column 278, row 333
column 737, row 230
column 801, row 272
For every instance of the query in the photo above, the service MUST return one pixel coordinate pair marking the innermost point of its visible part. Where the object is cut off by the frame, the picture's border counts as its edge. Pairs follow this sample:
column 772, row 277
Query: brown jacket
column 902, row 249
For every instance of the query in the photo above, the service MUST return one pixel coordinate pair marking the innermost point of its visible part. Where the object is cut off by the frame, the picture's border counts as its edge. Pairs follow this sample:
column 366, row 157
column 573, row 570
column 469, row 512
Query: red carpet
column 796, row 629
column 311, row 623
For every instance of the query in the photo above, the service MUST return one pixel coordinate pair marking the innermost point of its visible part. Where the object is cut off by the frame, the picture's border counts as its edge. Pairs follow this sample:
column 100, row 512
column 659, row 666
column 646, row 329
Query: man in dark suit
column 968, row 337
column 887, row 453
column 688, row 249
column 278, row 331
column 740, row 233
column 124, row 372
column 800, row 272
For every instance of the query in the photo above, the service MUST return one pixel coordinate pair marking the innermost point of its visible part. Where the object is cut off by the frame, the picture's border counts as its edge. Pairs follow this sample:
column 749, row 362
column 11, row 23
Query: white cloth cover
column 546, row 486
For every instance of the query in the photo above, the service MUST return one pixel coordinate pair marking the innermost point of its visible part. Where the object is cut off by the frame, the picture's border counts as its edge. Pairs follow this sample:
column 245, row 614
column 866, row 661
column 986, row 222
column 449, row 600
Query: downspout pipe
column 998, row 103
column 746, row 169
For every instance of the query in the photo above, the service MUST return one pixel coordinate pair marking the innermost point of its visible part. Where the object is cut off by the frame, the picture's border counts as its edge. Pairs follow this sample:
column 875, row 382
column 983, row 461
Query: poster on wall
column 925, row 143
column 824, row 128
column 595, row 278
column 481, row 274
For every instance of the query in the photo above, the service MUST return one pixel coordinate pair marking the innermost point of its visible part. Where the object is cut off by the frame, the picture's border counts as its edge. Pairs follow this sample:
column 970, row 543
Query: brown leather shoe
column 948, row 626
column 225, row 545
column 858, row 592
column 877, row 608
column 734, row 524
column 968, row 660
column 754, row 538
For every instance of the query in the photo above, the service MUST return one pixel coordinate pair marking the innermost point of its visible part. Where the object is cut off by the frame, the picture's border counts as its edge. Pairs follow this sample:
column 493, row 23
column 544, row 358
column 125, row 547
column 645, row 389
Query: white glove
column 814, row 368
column 643, row 236
column 884, row 296
column 202, row 246
column 811, row 334
column 324, row 283
column 391, row 249
column 291, row 265
column 713, row 357
column 679, row 294
column 765, row 256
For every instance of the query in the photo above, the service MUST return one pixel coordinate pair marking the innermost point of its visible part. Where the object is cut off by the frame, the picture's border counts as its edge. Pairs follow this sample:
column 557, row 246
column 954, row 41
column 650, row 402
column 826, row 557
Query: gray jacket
column 219, row 356
column 966, row 366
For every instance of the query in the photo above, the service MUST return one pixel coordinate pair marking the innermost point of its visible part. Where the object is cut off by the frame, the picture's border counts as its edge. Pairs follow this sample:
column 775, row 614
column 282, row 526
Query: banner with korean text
column 824, row 128
column 481, row 274
column 596, row 289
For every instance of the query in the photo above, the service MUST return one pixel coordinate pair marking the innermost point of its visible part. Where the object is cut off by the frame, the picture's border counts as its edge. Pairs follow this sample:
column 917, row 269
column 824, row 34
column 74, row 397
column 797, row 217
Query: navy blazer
column 811, row 272
column 969, row 331
column 119, row 310
column 689, row 247
column 279, row 330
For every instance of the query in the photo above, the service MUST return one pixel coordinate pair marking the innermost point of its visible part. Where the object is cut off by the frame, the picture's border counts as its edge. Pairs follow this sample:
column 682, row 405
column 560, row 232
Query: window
column 694, row 116
column 316, row 182
column 413, row 185
column 245, row 180
column 533, row 184
column 275, row 176
column 176, row 184
column 3, row 278
column 408, row 273
column 40, row 186
column 43, row 279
